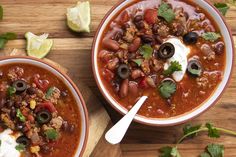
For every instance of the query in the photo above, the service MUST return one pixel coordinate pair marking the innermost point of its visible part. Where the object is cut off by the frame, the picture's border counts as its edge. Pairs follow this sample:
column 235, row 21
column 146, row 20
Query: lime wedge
column 78, row 17
column 38, row 46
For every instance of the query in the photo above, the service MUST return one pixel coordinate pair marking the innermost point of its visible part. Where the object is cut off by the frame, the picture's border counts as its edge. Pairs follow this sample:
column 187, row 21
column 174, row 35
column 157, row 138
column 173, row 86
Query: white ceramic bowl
column 189, row 115
column 71, row 86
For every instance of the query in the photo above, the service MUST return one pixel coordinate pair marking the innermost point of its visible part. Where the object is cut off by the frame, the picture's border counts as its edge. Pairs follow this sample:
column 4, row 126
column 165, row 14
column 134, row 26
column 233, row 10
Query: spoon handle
column 117, row 132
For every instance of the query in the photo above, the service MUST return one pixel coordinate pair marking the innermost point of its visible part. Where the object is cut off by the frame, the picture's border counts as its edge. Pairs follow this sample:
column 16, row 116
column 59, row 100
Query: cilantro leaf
column 189, row 128
column 11, row 90
column 222, row 7
column 215, row 150
column 20, row 147
column 205, row 154
column 166, row 151
column 2, row 43
column 1, row 12
column 138, row 61
column 166, row 12
column 174, row 66
column 20, row 115
column 212, row 131
column 8, row 36
column 167, row 88
column 49, row 92
column 51, row 134
column 211, row 36
column 146, row 51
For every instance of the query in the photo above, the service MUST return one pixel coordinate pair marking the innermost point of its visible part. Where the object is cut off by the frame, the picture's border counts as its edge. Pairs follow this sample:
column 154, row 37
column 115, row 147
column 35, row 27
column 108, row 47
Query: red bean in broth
column 133, row 88
column 135, row 45
column 124, row 88
column 111, row 44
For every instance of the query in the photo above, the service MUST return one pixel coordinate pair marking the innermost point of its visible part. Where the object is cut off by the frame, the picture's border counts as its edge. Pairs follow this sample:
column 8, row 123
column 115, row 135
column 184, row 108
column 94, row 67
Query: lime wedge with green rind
column 38, row 46
column 79, row 18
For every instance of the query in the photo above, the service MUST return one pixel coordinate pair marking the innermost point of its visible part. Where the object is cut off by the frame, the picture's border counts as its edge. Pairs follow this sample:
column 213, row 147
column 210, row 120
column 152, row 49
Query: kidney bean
column 13, row 112
column 155, row 28
column 111, row 44
column 113, row 63
column 133, row 87
column 108, row 74
column 118, row 35
column 125, row 26
column 105, row 55
column 139, row 25
column 146, row 38
column 138, row 18
column 219, row 48
column 124, row 88
column 136, row 74
column 124, row 17
column 135, row 45
column 158, row 39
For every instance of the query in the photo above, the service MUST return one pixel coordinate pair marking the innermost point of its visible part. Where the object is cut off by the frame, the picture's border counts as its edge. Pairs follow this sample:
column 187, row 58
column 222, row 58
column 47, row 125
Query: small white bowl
column 71, row 86
column 229, row 44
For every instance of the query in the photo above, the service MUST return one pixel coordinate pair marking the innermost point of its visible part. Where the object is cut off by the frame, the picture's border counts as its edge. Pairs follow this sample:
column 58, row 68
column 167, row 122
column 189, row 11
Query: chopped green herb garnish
column 20, row 115
column 11, row 90
column 167, row 88
column 146, row 51
column 215, row 150
column 222, row 7
column 49, row 92
column 51, row 134
column 166, row 12
column 138, row 61
column 211, row 36
column 174, row 66
column 1, row 12
column 20, row 147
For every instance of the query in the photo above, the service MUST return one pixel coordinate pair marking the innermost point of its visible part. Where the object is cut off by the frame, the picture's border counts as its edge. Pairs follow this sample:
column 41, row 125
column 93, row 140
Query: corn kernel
column 34, row 149
column 32, row 104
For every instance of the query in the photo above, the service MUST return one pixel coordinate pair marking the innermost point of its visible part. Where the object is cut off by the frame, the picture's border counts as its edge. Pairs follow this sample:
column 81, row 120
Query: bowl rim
column 147, row 123
column 73, row 86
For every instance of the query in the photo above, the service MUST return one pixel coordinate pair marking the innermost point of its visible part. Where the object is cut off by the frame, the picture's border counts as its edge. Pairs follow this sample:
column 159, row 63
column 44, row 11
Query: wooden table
column 73, row 50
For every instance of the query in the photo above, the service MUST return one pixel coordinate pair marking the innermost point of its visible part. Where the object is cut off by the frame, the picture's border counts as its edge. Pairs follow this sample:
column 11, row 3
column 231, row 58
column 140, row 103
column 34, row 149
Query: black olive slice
column 123, row 71
column 43, row 117
column 20, row 86
column 166, row 51
column 23, row 140
column 190, row 38
column 194, row 68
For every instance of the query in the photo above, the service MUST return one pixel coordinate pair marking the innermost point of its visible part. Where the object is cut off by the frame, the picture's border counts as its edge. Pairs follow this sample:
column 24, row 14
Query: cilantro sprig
column 212, row 150
column 146, row 51
column 211, row 36
column 166, row 12
column 20, row 115
column 167, row 88
column 20, row 147
column 174, row 66
column 51, row 134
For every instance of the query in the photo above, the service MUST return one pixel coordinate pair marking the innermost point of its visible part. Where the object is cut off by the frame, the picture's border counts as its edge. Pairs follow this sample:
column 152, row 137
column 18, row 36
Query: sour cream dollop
column 181, row 55
column 8, row 144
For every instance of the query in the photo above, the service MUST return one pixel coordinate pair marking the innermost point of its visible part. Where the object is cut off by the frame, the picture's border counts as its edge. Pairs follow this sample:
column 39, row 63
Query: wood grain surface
column 73, row 51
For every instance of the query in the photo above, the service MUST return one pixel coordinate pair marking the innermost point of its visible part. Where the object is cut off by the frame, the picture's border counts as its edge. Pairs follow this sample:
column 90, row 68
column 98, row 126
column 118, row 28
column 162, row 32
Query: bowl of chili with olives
column 175, row 52
column 42, row 111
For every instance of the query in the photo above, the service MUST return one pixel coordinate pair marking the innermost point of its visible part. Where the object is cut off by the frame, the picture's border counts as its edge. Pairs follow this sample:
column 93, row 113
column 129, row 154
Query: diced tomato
column 41, row 84
column 124, row 17
column 143, row 83
column 108, row 74
column 46, row 105
column 150, row 16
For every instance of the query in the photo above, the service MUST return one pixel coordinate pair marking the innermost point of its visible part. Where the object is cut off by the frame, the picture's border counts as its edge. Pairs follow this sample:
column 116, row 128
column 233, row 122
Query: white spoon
column 117, row 132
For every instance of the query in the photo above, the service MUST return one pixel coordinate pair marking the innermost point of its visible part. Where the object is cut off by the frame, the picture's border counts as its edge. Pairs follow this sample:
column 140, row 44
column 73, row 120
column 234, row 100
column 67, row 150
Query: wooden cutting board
column 73, row 51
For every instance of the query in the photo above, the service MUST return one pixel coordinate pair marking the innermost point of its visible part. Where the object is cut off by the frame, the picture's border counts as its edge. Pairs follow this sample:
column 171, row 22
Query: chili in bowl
column 42, row 111
column 176, row 52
